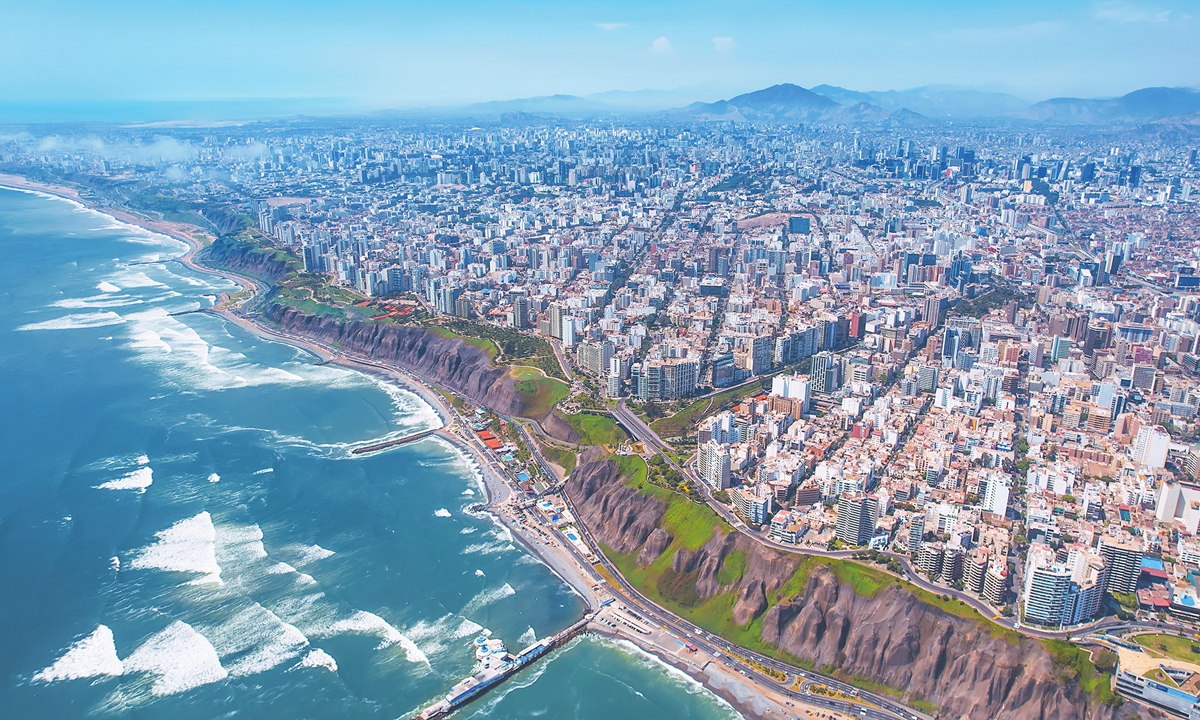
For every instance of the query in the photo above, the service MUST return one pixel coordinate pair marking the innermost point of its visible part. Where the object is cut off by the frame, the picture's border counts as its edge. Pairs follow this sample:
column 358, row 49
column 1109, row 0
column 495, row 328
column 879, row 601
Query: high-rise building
column 520, row 312
column 916, row 532
column 668, row 379
column 754, row 504
column 933, row 310
column 556, row 314
column 927, row 378
column 930, row 558
column 856, row 517
column 1060, row 348
column 1047, row 592
column 1124, row 560
column 995, row 585
column 994, row 495
column 594, row 357
column 826, row 372
column 1151, row 447
column 713, row 464
column 975, row 570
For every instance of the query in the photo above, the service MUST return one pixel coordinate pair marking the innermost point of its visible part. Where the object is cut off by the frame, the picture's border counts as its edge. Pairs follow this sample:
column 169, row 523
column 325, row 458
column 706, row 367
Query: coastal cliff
column 841, row 618
column 246, row 258
column 446, row 361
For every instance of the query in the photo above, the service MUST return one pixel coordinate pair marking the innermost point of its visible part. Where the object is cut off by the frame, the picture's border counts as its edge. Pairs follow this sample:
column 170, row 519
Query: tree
column 1106, row 660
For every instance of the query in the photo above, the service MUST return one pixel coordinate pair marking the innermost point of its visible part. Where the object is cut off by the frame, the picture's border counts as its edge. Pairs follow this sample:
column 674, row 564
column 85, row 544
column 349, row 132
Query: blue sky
column 400, row 54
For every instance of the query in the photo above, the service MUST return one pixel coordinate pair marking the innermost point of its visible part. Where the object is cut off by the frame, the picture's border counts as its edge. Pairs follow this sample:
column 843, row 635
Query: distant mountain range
column 1140, row 105
column 787, row 102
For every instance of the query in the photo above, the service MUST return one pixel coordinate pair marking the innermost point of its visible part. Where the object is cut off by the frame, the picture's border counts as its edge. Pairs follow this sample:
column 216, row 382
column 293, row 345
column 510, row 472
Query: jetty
column 387, row 444
column 497, row 666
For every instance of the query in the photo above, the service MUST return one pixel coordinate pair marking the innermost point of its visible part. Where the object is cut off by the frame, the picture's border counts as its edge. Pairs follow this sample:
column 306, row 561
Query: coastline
column 743, row 695
column 497, row 491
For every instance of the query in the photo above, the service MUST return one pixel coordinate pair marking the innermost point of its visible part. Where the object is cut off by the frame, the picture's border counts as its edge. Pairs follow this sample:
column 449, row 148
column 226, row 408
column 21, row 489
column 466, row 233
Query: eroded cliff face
column 244, row 258
column 891, row 637
column 558, row 428
column 446, row 361
column 619, row 516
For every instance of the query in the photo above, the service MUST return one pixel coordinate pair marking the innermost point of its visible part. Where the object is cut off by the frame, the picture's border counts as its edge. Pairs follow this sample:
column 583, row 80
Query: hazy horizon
column 366, row 55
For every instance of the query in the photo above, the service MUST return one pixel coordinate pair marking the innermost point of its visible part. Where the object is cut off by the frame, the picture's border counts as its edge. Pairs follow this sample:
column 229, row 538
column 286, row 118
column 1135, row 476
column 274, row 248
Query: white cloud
column 662, row 46
column 609, row 27
column 1127, row 12
column 724, row 44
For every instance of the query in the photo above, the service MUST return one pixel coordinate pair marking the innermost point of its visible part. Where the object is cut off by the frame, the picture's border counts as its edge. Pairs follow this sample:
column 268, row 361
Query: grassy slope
column 596, row 429
column 539, row 394
column 681, row 423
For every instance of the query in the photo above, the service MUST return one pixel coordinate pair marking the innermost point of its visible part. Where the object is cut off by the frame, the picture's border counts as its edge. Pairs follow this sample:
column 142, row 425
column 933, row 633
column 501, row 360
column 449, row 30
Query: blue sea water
column 183, row 533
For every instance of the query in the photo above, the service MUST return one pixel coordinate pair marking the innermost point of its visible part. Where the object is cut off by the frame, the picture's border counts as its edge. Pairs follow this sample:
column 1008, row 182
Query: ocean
column 184, row 534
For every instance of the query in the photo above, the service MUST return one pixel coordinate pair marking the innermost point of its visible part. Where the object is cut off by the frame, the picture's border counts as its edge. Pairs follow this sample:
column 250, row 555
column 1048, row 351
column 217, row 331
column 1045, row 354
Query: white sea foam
column 468, row 530
column 107, row 300
column 149, row 340
column 442, row 635
column 318, row 658
column 213, row 477
column 142, row 460
column 115, row 563
column 501, row 533
column 367, row 623
column 77, row 321
column 311, row 553
column 138, row 480
column 442, row 513
column 468, row 492
column 255, row 640
column 108, row 287
column 264, row 471
column 467, row 628
column 92, row 656
column 528, row 637
column 180, row 657
column 188, row 360
column 488, row 548
column 487, row 597
column 280, row 568
column 136, row 279
column 187, row 546
column 480, row 573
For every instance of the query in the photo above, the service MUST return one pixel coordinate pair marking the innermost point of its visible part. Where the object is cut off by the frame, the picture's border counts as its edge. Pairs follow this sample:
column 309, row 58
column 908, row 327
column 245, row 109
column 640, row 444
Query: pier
column 387, row 444
column 493, row 674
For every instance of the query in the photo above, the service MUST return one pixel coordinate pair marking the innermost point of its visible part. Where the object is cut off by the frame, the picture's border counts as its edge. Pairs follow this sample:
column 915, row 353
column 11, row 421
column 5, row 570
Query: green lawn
column 596, row 429
column 539, row 394
column 681, row 423
column 1174, row 647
